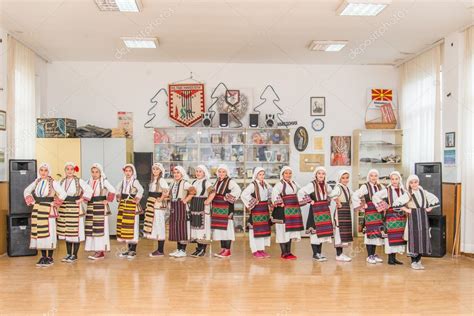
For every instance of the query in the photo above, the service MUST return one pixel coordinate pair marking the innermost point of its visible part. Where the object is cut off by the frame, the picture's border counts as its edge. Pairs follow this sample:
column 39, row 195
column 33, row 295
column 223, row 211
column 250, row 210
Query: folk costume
column 256, row 198
column 362, row 198
column 201, row 213
column 154, row 226
column 224, row 194
column 129, row 193
column 388, row 199
column 70, row 223
column 96, row 222
column 179, row 230
column 46, row 195
column 319, row 223
column 286, row 214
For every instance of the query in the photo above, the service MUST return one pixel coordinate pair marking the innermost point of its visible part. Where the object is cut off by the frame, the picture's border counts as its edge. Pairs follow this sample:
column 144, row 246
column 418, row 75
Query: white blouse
column 176, row 192
column 163, row 185
column 309, row 189
column 361, row 192
column 127, row 187
column 69, row 186
column 41, row 189
column 337, row 193
column 264, row 191
column 96, row 187
column 291, row 188
column 383, row 194
column 197, row 184
column 431, row 199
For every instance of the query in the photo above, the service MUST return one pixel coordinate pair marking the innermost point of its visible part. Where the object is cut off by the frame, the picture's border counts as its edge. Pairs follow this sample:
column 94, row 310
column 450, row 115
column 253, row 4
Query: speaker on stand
column 431, row 180
column 438, row 235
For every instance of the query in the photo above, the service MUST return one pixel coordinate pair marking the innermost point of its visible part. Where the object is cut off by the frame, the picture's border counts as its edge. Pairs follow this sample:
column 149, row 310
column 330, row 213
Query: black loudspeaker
column 207, row 120
column 253, row 120
column 431, row 180
column 438, row 235
column 224, row 119
column 270, row 120
column 18, row 236
column 143, row 162
column 21, row 174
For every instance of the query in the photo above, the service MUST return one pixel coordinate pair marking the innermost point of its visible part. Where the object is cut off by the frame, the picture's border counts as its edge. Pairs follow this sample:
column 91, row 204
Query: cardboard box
column 55, row 128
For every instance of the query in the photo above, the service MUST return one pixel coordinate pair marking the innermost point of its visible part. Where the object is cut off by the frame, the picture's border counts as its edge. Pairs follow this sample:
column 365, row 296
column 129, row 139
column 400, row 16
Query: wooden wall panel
column 451, row 208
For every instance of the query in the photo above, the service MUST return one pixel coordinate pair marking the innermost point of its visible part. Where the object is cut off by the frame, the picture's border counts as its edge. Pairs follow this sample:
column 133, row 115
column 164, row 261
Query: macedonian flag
column 384, row 95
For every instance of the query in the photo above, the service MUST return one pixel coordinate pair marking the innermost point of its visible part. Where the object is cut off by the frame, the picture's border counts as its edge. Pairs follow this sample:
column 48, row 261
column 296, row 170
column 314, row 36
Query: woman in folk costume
column 223, row 195
column 418, row 203
column 388, row 200
column 201, row 211
column 342, row 215
column 319, row 223
column 46, row 195
column 154, row 226
column 129, row 194
column 362, row 199
column 257, row 198
column 97, row 224
column 286, row 213
column 181, row 192
column 70, row 223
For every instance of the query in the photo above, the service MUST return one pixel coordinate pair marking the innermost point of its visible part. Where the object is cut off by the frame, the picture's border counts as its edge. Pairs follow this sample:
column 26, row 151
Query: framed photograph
column 450, row 157
column 301, row 139
column 340, row 150
column 450, row 140
column 318, row 106
column 3, row 120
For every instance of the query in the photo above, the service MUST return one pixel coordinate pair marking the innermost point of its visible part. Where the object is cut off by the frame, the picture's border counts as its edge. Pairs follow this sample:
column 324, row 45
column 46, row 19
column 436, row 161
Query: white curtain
column 420, row 108
column 467, row 146
column 21, row 108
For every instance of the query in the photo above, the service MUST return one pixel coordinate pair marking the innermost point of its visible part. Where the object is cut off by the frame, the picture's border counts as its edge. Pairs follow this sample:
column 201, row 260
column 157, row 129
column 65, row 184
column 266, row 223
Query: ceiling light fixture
column 327, row 46
column 119, row 5
column 362, row 7
column 139, row 42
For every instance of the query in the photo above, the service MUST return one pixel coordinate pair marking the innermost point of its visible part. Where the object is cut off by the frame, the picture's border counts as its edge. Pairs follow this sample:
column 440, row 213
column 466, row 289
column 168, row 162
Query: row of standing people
column 201, row 210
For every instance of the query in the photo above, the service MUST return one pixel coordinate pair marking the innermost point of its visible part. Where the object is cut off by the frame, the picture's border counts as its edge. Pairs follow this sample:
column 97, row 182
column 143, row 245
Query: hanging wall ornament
column 219, row 90
column 186, row 102
column 235, row 104
column 301, row 138
column 160, row 96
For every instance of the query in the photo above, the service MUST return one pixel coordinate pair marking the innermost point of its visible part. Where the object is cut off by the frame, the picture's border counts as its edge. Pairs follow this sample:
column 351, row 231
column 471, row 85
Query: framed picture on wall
column 3, row 120
column 450, row 140
column 340, row 150
column 318, row 106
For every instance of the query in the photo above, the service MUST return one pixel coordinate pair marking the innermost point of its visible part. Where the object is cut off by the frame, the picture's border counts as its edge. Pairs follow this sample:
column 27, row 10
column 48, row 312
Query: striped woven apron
column 127, row 210
column 395, row 221
column 373, row 219
column 419, row 241
column 321, row 215
column 95, row 217
column 219, row 213
column 344, row 219
column 260, row 215
column 178, row 225
column 40, row 217
column 292, row 211
column 197, row 212
column 150, row 211
column 68, row 220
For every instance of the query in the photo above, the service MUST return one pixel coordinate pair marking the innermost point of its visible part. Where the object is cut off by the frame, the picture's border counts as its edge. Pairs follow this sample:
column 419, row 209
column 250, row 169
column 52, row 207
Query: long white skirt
column 282, row 236
column 259, row 243
column 48, row 243
column 315, row 240
column 82, row 234
column 158, row 231
column 337, row 239
column 229, row 234
column 373, row 241
column 393, row 249
column 135, row 232
column 205, row 233
column 101, row 243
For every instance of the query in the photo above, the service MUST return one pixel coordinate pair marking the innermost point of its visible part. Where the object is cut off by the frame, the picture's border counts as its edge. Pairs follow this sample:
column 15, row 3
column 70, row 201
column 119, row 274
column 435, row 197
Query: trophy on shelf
column 268, row 155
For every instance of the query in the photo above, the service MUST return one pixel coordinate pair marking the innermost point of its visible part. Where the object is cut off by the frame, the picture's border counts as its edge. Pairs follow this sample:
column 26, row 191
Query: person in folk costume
column 223, row 195
column 181, row 192
column 286, row 213
column 96, row 223
column 129, row 194
column 319, row 223
column 46, row 195
column 70, row 223
column 257, row 198
column 154, row 226
column 342, row 215
column 362, row 199
column 418, row 203
column 201, row 211
column 388, row 200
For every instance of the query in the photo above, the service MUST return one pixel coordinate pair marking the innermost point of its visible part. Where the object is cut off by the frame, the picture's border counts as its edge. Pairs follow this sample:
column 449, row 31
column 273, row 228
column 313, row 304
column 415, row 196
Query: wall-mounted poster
column 340, row 150
column 301, row 138
column 318, row 143
column 317, row 106
column 186, row 103
column 309, row 162
column 125, row 123
column 450, row 157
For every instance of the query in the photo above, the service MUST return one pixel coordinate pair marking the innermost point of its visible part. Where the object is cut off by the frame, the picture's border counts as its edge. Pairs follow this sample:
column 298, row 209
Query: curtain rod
column 438, row 42
column 29, row 47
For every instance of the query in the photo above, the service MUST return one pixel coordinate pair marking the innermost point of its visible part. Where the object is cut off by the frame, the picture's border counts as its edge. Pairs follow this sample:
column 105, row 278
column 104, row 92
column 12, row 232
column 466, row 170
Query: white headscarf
column 320, row 168
column 256, row 171
column 283, row 170
column 372, row 171
column 207, row 175
column 183, row 172
column 44, row 165
column 134, row 171
column 99, row 167
column 411, row 178
column 159, row 166
column 399, row 177
column 224, row 167
column 341, row 173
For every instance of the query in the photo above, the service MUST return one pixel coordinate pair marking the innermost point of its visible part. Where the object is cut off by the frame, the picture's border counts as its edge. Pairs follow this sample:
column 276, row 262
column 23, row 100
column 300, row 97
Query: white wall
column 92, row 93
column 3, row 100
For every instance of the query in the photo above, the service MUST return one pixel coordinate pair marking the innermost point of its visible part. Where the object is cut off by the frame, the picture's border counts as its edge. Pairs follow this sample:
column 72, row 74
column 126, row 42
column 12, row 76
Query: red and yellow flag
column 382, row 95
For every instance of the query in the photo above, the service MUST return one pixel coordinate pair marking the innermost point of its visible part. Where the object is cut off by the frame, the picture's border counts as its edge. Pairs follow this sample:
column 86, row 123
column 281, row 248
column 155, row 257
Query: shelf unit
column 241, row 149
column 374, row 144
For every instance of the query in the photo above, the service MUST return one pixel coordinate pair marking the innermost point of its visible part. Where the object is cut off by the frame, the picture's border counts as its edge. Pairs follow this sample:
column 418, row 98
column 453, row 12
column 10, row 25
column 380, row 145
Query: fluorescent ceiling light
column 119, row 5
column 362, row 7
column 138, row 42
column 327, row 46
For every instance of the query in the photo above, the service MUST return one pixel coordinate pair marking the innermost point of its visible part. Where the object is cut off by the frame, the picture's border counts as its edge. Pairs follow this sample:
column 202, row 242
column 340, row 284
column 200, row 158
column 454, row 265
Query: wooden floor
column 237, row 285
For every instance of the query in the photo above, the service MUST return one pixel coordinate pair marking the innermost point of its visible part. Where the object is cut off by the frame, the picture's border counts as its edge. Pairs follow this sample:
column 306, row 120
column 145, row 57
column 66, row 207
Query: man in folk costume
column 70, row 223
column 97, row 224
column 223, row 195
column 46, row 195
column 286, row 213
column 181, row 192
column 362, row 199
column 200, row 207
column 257, row 198
column 319, row 223
column 418, row 203
column 129, row 194
column 388, row 200
column 342, row 215
column 154, row 226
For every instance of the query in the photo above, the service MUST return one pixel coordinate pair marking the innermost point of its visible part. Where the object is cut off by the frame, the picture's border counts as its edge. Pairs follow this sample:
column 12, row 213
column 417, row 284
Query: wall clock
column 318, row 125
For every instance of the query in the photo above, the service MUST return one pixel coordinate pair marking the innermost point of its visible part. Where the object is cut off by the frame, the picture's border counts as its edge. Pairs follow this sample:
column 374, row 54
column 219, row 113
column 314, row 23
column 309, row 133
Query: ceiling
column 240, row 31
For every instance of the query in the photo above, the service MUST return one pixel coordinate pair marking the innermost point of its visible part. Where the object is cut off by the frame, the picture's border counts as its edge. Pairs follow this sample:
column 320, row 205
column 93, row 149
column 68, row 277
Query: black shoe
column 66, row 258
column 49, row 261
column 71, row 259
column 41, row 262
column 201, row 252
column 195, row 254
column 395, row 261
